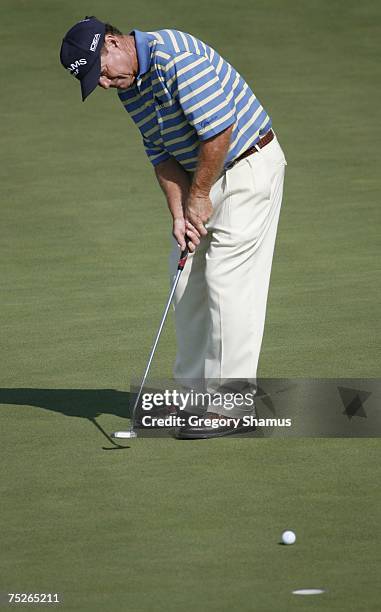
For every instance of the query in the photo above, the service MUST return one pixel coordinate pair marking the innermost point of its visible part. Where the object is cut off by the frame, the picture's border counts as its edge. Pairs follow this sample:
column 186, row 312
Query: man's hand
column 182, row 228
column 197, row 211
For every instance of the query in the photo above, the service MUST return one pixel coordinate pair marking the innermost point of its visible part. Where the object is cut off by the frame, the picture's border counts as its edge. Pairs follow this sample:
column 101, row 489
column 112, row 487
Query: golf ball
column 288, row 537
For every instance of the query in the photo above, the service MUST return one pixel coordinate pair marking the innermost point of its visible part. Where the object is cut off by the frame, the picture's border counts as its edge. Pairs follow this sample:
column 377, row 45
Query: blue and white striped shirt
column 186, row 92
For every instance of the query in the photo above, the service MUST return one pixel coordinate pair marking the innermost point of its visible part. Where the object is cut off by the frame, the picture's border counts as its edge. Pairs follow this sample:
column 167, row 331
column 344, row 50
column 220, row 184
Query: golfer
column 221, row 168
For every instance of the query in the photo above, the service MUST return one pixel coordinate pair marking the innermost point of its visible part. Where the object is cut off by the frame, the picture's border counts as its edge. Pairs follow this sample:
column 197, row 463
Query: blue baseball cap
column 81, row 52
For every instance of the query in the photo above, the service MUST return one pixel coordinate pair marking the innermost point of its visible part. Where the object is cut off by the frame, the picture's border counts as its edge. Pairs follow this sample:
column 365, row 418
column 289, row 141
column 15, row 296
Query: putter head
column 124, row 434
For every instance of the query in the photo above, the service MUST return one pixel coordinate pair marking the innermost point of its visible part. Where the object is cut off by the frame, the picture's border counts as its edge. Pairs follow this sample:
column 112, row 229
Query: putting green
column 165, row 525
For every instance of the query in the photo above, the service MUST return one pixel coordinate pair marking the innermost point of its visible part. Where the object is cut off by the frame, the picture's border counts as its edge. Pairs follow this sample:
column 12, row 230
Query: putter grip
column 183, row 255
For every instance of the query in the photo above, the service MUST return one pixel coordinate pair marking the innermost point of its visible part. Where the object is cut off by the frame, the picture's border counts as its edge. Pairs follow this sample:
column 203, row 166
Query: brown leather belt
column 262, row 142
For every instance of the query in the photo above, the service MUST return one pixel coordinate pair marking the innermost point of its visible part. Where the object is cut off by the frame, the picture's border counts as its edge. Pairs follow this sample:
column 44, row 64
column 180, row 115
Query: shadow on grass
column 83, row 403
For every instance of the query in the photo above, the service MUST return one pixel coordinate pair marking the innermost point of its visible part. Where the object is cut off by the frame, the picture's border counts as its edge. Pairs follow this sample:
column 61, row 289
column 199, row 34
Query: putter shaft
column 131, row 433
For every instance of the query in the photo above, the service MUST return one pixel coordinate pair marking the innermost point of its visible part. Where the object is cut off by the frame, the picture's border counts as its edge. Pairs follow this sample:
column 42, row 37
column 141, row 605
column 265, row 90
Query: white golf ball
column 288, row 537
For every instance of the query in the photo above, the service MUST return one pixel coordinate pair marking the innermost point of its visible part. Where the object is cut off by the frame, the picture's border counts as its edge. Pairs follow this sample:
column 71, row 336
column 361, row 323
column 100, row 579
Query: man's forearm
column 188, row 200
column 211, row 157
column 175, row 183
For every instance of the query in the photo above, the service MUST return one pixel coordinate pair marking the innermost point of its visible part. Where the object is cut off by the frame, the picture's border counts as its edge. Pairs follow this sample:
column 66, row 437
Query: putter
column 131, row 433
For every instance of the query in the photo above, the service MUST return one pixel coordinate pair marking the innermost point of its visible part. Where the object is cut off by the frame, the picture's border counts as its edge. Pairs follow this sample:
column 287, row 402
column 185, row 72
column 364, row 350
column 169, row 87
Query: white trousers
column 220, row 301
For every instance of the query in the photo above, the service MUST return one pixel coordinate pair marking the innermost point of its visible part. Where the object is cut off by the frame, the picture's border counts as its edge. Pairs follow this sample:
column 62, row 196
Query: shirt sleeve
column 193, row 81
column 155, row 153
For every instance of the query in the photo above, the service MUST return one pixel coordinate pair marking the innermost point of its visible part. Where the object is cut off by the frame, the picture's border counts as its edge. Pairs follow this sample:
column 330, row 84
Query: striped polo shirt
column 185, row 92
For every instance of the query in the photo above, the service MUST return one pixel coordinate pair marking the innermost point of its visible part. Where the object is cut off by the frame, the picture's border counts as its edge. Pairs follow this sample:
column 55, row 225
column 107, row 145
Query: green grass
column 84, row 241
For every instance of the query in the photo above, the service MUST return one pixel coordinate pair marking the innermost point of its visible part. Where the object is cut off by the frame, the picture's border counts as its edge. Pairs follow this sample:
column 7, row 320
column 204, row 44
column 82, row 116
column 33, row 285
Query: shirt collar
column 143, row 50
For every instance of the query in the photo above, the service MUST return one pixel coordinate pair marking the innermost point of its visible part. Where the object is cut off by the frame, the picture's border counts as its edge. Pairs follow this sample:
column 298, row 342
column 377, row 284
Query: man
column 221, row 169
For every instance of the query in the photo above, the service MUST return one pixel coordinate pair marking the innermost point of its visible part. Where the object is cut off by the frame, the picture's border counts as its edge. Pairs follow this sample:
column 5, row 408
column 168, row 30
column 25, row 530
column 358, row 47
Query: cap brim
column 91, row 80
